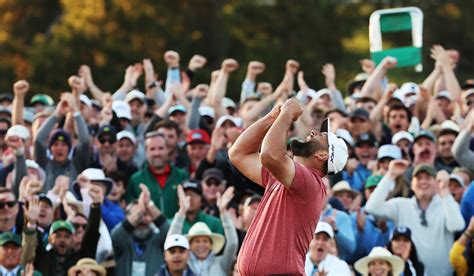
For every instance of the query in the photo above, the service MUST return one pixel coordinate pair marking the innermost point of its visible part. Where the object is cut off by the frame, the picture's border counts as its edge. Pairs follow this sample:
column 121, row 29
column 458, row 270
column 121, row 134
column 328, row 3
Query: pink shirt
column 279, row 235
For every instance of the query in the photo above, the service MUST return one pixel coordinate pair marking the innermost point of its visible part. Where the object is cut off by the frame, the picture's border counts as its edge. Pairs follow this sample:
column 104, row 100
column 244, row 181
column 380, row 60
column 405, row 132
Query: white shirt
column 331, row 264
column 5, row 272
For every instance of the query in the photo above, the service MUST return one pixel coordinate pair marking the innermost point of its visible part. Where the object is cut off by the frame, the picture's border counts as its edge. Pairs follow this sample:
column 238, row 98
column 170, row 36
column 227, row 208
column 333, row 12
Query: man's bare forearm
column 274, row 143
column 251, row 139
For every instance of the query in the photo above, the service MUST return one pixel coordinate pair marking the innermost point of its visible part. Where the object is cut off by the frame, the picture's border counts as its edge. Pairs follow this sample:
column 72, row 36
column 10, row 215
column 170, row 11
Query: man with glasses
column 8, row 212
column 159, row 175
column 432, row 213
column 105, row 144
column 213, row 183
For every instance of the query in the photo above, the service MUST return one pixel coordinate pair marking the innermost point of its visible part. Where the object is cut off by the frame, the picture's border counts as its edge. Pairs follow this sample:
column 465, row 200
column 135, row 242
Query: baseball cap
column 176, row 240
column 424, row 168
column 400, row 231
column 85, row 100
column 252, row 199
column 458, row 179
column 193, row 185
column 444, row 94
column 468, row 92
column 228, row 103
column 125, row 134
column 93, row 174
column 360, row 113
column 61, row 225
column 207, row 111
column 198, row 136
column 45, row 198
column 409, row 87
column 18, row 131
column 425, row 133
column 213, row 173
column 325, row 228
column 122, row 110
column 366, row 138
column 6, row 110
column 389, row 151
column 358, row 80
column 60, row 135
column 176, row 108
column 397, row 137
column 43, row 99
column 6, row 97
column 345, row 135
column 109, row 131
column 449, row 126
column 135, row 94
column 235, row 120
column 9, row 237
column 32, row 164
column 337, row 149
column 373, row 181
column 28, row 116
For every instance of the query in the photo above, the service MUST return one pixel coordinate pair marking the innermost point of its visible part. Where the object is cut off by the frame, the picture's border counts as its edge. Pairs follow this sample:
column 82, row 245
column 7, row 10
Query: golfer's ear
column 321, row 155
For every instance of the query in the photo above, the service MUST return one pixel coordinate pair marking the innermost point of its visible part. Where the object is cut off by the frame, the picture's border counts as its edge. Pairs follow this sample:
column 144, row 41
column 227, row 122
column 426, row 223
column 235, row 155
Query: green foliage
column 46, row 41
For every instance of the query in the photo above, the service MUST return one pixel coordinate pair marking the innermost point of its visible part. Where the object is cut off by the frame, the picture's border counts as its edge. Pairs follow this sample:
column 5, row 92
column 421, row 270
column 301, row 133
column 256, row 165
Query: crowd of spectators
column 139, row 181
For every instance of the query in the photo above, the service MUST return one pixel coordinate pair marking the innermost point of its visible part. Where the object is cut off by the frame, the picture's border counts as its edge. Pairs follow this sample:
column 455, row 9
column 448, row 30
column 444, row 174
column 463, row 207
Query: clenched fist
column 293, row 108
column 21, row 87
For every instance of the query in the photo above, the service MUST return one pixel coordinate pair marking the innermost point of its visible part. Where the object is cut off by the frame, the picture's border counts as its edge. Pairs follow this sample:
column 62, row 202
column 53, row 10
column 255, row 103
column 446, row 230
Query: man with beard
column 138, row 241
column 159, row 175
column 278, row 238
column 319, row 259
column 61, row 256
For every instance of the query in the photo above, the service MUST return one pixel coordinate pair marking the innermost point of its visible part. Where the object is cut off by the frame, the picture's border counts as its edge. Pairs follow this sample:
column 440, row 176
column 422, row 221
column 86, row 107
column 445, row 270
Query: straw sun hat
column 200, row 229
column 380, row 253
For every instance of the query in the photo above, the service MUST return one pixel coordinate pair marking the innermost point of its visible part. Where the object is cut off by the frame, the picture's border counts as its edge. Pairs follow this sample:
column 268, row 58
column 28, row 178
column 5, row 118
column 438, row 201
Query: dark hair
column 7, row 121
column 413, row 257
column 398, row 106
column 167, row 123
column 4, row 190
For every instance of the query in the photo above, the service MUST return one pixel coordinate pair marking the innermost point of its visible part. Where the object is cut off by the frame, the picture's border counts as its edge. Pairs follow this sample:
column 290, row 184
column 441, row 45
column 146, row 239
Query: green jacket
column 22, row 269
column 213, row 222
column 165, row 199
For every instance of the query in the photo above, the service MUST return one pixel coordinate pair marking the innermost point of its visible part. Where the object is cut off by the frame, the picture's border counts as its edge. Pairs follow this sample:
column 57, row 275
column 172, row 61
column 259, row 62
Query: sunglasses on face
column 80, row 225
column 10, row 204
column 103, row 141
column 212, row 182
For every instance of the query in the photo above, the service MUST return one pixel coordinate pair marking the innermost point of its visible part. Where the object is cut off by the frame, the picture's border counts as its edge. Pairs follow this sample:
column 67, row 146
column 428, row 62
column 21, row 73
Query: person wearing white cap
column 445, row 104
column 319, row 257
column 380, row 262
column 444, row 144
column 280, row 247
column 385, row 154
column 403, row 140
column 176, row 257
column 126, row 149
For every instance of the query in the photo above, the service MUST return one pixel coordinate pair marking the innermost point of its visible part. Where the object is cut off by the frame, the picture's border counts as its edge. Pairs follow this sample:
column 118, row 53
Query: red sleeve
column 307, row 184
column 266, row 177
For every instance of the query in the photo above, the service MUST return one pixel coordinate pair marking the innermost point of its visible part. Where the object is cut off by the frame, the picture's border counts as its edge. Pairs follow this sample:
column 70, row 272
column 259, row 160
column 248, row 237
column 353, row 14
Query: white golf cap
column 207, row 111
column 397, row 137
column 18, row 131
column 325, row 228
column 337, row 149
column 128, row 135
column 409, row 87
column 228, row 102
column 176, row 240
column 391, row 151
column 468, row 93
column 135, row 94
column 85, row 100
column 449, row 126
column 122, row 110
column 346, row 135
column 444, row 94
column 175, row 108
column 457, row 178
column 322, row 92
column 235, row 120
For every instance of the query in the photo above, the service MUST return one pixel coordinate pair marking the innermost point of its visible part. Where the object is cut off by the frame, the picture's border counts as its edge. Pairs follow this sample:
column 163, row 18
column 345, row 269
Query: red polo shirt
column 161, row 177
